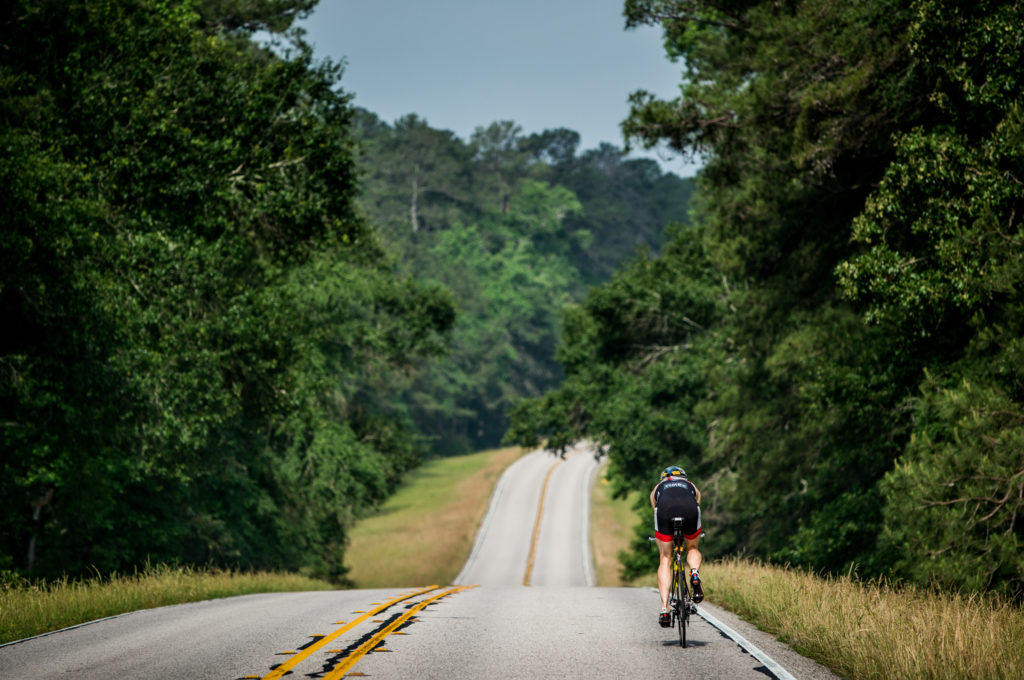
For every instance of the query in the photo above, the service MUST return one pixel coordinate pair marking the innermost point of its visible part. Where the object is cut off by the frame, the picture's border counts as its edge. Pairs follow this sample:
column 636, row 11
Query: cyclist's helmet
column 673, row 471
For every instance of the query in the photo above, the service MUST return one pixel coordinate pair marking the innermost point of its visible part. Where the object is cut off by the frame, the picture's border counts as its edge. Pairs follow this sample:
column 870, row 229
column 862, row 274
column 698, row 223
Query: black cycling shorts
column 671, row 503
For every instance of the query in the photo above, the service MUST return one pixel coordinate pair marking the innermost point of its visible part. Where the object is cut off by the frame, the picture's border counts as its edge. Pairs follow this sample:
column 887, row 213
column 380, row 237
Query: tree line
column 833, row 350
column 516, row 226
column 237, row 310
column 197, row 319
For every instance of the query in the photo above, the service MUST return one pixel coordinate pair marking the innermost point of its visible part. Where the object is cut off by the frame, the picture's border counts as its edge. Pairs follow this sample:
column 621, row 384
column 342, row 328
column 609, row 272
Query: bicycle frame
column 680, row 599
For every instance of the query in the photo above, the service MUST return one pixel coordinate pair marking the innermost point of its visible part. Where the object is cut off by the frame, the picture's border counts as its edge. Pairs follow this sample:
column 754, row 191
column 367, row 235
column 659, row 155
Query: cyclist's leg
column 693, row 560
column 664, row 571
column 692, row 532
column 693, row 556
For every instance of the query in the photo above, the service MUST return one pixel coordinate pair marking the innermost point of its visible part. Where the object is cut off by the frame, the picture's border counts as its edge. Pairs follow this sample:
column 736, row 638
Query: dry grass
column 864, row 631
column 874, row 630
column 611, row 528
column 29, row 609
column 423, row 534
column 453, row 493
column 612, row 521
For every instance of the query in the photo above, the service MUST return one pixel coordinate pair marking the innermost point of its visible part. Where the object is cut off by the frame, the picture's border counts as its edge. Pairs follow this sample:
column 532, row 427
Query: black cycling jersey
column 674, row 486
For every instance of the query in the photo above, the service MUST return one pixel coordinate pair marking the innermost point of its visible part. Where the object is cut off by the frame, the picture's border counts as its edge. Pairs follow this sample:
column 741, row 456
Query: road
column 514, row 548
column 490, row 626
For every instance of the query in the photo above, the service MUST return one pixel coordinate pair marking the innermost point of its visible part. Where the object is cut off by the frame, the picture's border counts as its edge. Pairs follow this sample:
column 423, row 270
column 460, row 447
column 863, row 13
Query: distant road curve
column 536, row 531
column 557, row 626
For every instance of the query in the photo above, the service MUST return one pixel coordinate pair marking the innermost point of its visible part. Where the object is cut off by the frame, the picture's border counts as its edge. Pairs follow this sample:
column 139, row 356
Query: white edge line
column 482, row 531
column 588, row 555
column 77, row 625
column 770, row 663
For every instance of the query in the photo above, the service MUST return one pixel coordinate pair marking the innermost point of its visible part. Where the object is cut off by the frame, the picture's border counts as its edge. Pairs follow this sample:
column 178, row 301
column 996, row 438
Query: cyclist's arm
column 652, row 496
column 697, row 491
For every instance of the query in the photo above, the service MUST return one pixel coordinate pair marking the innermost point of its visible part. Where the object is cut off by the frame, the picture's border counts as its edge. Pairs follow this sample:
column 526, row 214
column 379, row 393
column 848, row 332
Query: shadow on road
column 689, row 643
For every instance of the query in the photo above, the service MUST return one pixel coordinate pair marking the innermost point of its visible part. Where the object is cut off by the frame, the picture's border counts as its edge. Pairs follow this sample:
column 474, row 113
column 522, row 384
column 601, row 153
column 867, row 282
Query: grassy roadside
column 452, row 492
column 423, row 533
column 863, row 631
column 611, row 529
column 27, row 609
column 874, row 630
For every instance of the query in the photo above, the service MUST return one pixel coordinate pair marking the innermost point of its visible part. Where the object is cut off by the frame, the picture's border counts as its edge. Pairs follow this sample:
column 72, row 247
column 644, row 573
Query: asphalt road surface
column 536, row 529
column 491, row 625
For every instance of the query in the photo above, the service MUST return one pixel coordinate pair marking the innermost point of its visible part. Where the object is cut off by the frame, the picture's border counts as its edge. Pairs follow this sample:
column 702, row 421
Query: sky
column 463, row 64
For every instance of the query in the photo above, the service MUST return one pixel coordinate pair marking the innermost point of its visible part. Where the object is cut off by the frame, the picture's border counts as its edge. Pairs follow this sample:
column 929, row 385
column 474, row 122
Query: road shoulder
column 797, row 664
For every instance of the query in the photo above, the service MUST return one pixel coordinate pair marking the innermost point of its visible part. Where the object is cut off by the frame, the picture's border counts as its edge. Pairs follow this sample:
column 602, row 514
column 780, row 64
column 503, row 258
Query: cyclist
column 676, row 496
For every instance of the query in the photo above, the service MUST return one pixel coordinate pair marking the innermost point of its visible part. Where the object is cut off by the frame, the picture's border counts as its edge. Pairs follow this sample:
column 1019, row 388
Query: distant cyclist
column 676, row 496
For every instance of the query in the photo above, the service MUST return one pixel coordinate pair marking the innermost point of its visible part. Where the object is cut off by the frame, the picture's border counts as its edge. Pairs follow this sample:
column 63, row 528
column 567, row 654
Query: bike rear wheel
column 682, row 610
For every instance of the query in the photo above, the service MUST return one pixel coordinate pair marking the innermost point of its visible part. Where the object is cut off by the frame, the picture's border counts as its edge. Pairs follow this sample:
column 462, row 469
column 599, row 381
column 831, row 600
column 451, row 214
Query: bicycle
column 681, row 603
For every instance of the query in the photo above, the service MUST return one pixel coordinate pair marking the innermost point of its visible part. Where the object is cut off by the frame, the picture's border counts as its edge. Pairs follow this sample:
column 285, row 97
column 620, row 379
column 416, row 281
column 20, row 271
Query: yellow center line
column 346, row 664
column 322, row 642
column 536, row 526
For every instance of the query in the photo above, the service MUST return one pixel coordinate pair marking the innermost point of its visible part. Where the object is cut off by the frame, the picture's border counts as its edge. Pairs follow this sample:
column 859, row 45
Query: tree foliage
column 851, row 397
column 515, row 226
column 942, row 263
column 198, row 322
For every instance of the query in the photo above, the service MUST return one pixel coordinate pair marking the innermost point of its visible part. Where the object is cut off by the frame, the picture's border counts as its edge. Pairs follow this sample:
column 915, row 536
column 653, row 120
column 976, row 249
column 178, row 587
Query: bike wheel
column 682, row 605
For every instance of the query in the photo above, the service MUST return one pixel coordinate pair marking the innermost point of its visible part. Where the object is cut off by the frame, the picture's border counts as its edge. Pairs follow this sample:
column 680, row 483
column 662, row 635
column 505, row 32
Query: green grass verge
column 431, row 522
column 28, row 609
column 873, row 630
column 861, row 630
column 611, row 529
column 424, row 532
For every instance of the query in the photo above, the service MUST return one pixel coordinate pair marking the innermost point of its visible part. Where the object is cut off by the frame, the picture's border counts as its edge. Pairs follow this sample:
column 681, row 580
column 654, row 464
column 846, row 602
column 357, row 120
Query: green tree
column 862, row 165
column 202, row 314
column 627, row 202
column 793, row 108
column 500, row 162
column 941, row 265
column 429, row 165
column 510, row 277
column 510, row 263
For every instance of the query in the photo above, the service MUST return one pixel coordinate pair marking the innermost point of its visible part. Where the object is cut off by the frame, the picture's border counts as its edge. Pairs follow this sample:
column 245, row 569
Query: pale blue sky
column 461, row 64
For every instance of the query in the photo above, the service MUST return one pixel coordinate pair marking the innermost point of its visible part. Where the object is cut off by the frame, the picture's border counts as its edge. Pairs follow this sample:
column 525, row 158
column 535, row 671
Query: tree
column 794, row 108
column 203, row 314
column 567, row 221
column 941, row 265
column 429, row 163
column 511, row 275
column 855, row 393
column 500, row 160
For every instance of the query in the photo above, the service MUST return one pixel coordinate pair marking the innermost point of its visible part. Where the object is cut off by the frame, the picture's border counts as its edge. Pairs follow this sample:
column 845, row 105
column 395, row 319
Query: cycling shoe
column 665, row 619
column 698, row 592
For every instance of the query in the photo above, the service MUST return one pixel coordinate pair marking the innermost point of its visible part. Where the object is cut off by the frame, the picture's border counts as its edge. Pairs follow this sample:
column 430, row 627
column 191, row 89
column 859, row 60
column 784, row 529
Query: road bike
column 680, row 599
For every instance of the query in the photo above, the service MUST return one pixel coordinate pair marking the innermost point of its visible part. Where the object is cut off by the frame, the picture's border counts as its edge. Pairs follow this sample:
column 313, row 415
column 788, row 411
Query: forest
column 237, row 309
column 516, row 227
column 834, row 350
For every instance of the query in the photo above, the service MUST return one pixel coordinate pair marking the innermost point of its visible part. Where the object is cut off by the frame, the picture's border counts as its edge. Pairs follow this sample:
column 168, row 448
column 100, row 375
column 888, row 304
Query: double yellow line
column 350, row 660
column 536, row 525
column 346, row 664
